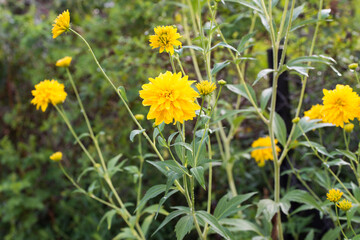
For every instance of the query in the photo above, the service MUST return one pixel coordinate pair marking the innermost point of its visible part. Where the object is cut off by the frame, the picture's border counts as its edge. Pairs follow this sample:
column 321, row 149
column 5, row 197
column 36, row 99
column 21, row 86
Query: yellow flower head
column 334, row 195
column 344, row 205
column 48, row 92
column 165, row 38
column 56, row 157
column 315, row 112
column 170, row 97
column 265, row 152
column 205, row 87
column 61, row 24
column 64, row 62
column 349, row 127
column 340, row 105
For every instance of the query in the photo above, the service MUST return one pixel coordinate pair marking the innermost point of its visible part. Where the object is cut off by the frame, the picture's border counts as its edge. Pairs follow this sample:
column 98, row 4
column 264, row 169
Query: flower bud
column 139, row 117
column 353, row 66
column 349, row 127
column 221, row 82
column 296, row 120
column 56, row 157
column 64, row 62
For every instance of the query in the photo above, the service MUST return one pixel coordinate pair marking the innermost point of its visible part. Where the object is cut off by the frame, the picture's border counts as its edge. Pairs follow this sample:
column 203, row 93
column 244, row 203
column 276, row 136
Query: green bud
column 296, row 120
column 221, row 82
column 353, row 66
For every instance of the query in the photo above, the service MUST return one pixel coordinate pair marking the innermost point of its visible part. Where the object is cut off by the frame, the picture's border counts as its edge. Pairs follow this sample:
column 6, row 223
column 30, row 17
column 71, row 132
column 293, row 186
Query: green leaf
column 242, row 225
column 262, row 74
column 170, row 217
column 183, row 227
column 265, row 97
column 163, row 200
column 125, row 234
column 336, row 162
column 302, row 70
column 280, row 129
column 213, row 222
column 146, row 224
column 310, row 235
column 267, row 207
column 108, row 216
column 122, row 92
column 170, row 138
column 245, row 3
column 228, row 205
column 222, row 44
column 305, row 125
column 301, row 196
column 332, row 234
column 156, row 130
column 197, row 48
column 134, row 133
column 241, row 47
column 350, row 155
column 86, row 170
column 151, row 193
column 162, row 142
column 313, row 58
column 183, row 144
column 285, row 206
column 240, row 90
column 198, row 173
column 219, row 66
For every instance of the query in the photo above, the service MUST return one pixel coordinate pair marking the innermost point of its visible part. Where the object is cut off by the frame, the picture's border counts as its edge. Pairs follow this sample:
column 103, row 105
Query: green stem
column 338, row 221
column 172, row 63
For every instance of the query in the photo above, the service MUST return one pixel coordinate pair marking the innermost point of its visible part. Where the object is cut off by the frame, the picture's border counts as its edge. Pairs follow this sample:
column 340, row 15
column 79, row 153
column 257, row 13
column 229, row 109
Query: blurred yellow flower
column 340, row 105
column 315, row 112
column 165, row 38
column 61, row 24
column 170, row 97
column 64, row 62
column 265, row 152
column 139, row 117
column 344, row 205
column 48, row 92
column 334, row 195
column 205, row 87
column 56, row 157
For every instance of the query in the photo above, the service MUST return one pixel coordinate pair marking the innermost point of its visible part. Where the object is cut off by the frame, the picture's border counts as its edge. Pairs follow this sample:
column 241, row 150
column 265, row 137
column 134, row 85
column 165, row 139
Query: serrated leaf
column 213, row 222
column 134, row 133
column 151, row 193
column 170, row 217
column 267, row 207
column 218, row 66
column 301, row 196
column 228, row 205
column 185, row 145
column 198, row 173
column 122, row 92
column 265, row 97
column 183, row 227
column 262, row 74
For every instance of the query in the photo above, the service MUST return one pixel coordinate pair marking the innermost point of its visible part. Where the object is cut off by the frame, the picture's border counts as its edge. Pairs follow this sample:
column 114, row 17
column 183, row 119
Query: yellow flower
column 340, row 105
column 349, row 127
column 165, row 38
column 344, row 205
column 170, row 97
column 205, row 87
column 48, row 92
column 315, row 112
column 64, row 62
column 265, row 152
column 334, row 195
column 61, row 24
column 56, row 157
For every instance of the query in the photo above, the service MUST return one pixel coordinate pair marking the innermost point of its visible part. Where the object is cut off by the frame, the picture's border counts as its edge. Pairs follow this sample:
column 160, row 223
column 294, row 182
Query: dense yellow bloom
column 48, row 92
column 205, row 87
column 344, row 205
column 334, row 195
column 340, row 105
column 315, row 112
column 265, row 152
column 64, row 62
column 61, row 24
column 165, row 38
column 56, row 157
column 170, row 97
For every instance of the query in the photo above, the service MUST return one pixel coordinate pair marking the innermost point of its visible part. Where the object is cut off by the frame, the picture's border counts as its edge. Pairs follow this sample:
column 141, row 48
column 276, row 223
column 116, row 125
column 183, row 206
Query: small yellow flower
column 334, row 195
column 61, row 24
column 56, row 157
column 344, row 205
column 165, row 38
column 353, row 66
column 170, row 97
column 341, row 105
column 139, row 117
column 48, row 92
column 349, row 127
column 64, row 62
column 205, row 87
column 315, row 112
column 265, row 152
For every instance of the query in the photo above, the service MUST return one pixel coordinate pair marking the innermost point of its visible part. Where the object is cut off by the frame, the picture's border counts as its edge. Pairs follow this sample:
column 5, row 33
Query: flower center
column 164, row 38
column 168, row 94
column 340, row 102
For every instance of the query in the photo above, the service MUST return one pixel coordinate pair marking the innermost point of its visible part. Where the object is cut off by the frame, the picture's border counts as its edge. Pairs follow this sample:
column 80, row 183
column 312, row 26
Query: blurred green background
column 37, row 202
